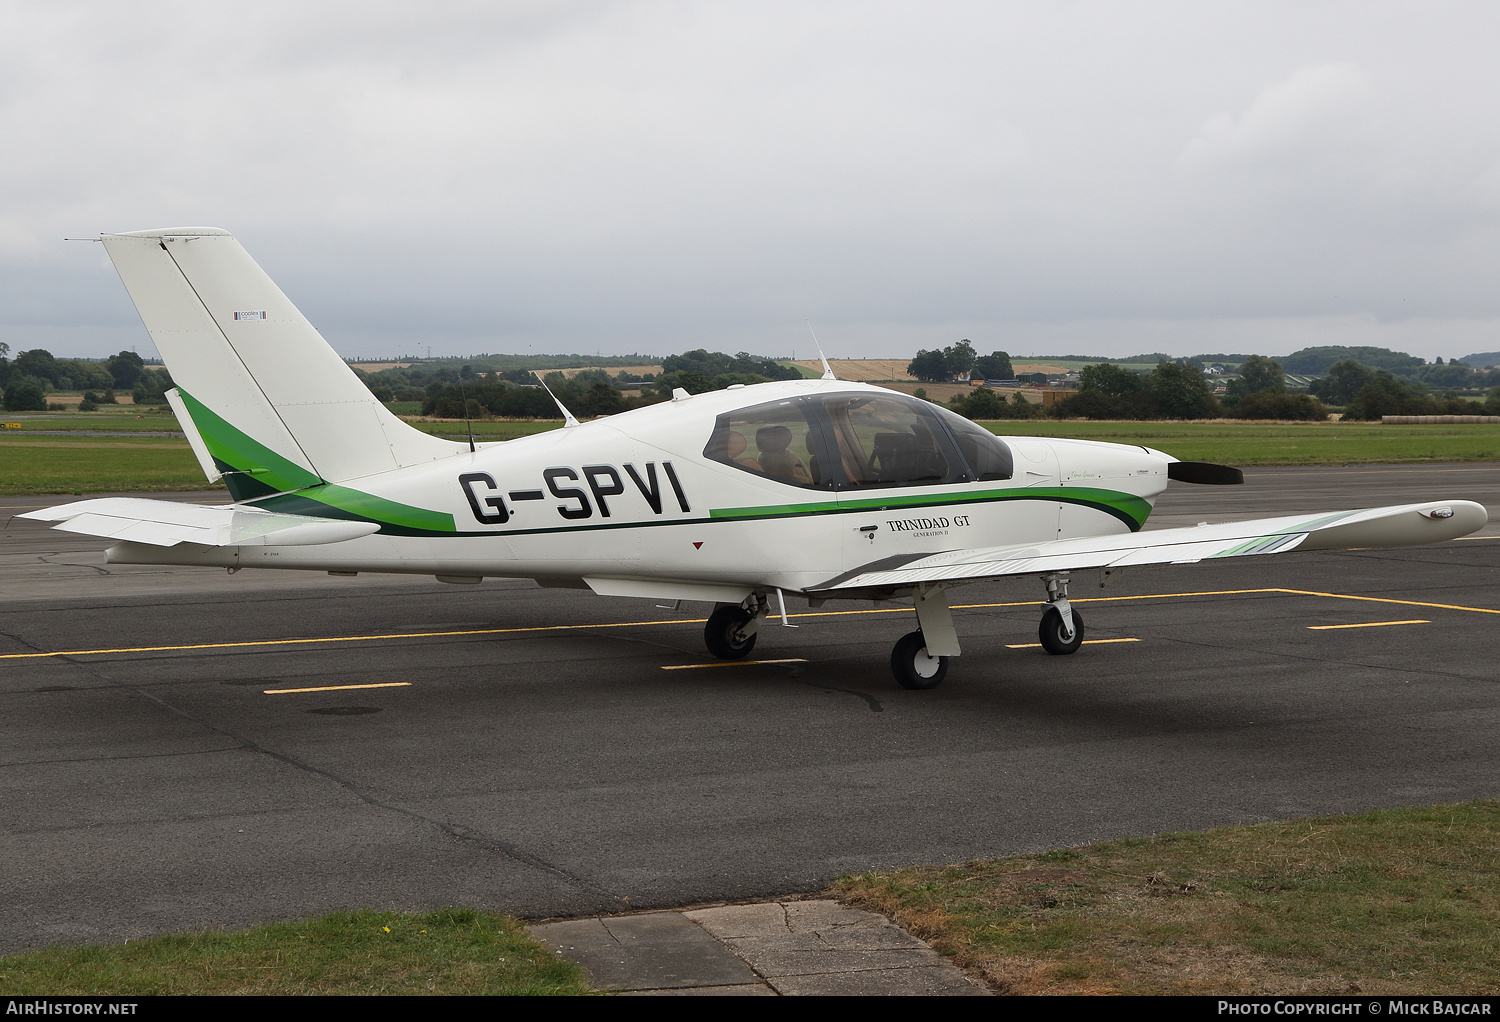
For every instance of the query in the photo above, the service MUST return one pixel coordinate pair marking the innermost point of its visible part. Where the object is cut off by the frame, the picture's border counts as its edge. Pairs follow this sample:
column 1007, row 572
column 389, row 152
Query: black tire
column 721, row 633
column 913, row 667
column 1051, row 632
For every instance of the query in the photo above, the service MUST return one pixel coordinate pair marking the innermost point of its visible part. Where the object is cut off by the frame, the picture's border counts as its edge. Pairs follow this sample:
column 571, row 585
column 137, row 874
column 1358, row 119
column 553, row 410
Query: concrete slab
column 657, row 951
column 745, row 990
column 799, row 948
column 942, row 981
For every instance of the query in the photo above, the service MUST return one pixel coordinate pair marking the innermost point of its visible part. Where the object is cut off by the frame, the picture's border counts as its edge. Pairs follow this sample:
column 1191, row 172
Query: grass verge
column 453, row 951
column 1390, row 902
column 74, row 464
column 64, row 463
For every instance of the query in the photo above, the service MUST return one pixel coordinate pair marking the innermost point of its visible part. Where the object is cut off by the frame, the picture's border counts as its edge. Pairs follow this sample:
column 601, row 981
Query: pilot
column 775, row 460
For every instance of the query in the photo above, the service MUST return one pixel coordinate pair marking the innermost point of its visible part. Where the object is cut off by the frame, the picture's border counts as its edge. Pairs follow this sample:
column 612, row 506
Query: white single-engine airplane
column 814, row 488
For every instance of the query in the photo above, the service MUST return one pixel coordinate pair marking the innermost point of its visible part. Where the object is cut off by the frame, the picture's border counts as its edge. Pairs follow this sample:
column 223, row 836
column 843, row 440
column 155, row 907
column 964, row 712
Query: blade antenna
column 568, row 419
column 467, row 422
column 827, row 371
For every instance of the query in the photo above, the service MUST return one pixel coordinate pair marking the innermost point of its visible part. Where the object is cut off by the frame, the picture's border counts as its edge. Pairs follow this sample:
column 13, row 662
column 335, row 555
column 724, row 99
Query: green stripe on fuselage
column 1127, row 507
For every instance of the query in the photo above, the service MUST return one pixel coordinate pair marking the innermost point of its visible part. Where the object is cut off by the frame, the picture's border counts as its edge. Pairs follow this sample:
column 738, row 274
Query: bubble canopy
column 847, row 441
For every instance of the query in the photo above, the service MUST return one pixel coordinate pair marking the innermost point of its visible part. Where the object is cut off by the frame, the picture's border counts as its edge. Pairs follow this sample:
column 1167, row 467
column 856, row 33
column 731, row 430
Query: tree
column 960, row 358
column 1181, row 392
column 37, row 362
column 995, row 366
column 982, row 403
column 24, row 395
column 1267, row 404
column 126, row 368
column 1344, row 380
column 689, row 380
column 929, row 366
column 1110, row 379
column 1259, row 375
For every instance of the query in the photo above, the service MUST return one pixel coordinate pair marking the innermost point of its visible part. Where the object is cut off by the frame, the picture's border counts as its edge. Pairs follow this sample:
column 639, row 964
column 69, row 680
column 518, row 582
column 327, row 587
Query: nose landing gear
column 1061, row 631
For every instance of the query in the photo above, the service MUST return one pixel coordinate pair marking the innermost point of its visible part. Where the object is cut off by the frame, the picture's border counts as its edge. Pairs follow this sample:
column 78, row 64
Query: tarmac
column 181, row 749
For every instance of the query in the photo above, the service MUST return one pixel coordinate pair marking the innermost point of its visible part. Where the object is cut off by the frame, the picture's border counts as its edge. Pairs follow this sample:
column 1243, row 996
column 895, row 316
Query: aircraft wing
column 167, row 523
column 1403, row 525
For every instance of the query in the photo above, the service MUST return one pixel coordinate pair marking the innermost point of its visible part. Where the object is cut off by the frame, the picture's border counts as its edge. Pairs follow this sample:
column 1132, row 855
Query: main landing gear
column 914, row 666
column 731, row 630
column 919, row 659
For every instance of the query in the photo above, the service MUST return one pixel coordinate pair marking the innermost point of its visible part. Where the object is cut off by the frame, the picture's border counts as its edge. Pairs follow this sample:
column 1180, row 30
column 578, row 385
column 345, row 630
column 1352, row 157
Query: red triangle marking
column 697, row 546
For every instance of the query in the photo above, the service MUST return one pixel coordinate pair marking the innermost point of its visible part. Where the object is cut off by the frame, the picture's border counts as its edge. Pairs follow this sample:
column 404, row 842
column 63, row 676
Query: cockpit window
column 987, row 455
column 857, row 441
column 774, row 440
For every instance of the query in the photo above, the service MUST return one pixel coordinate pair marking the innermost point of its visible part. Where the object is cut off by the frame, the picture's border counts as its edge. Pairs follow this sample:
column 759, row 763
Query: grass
column 453, row 951
column 1390, row 902
column 75, row 464
column 484, row 429
column 119, row 419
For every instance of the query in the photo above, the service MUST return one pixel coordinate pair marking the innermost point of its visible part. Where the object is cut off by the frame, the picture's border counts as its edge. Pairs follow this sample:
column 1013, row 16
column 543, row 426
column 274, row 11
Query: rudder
column 268, row 396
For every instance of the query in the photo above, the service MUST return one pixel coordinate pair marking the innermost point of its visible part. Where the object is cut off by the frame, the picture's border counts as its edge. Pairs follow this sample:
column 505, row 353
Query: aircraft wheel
column 1051, row 632
column 722, row 634
column 912, row 666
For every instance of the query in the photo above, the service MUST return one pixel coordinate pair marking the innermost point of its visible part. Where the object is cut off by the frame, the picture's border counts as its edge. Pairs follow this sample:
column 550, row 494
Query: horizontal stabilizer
column 1404, row 525
column 167, row 523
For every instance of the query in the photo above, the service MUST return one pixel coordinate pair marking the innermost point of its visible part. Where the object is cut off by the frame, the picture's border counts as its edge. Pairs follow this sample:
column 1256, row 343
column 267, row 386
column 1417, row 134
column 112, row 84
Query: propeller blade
column 1203, row 472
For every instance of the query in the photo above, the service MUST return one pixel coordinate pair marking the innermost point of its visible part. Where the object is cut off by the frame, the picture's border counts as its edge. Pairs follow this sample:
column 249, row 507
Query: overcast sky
column 590, row 176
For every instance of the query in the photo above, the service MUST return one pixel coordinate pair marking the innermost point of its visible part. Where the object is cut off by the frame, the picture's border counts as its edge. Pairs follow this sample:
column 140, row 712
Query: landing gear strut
column 1061, row 630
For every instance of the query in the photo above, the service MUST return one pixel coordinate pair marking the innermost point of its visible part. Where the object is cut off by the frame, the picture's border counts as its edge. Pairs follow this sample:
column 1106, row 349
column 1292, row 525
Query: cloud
column 652, row 175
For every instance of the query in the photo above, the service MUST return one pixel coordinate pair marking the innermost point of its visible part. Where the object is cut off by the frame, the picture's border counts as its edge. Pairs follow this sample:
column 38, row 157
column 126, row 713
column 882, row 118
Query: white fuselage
column 633, row 496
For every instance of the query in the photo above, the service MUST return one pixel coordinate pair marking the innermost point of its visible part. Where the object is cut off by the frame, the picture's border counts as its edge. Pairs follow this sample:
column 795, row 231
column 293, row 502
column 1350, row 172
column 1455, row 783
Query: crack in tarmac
column 506, row 848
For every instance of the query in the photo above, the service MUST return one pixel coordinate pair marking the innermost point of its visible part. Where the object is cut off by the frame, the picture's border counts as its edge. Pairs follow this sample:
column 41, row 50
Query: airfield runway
column 232, row 749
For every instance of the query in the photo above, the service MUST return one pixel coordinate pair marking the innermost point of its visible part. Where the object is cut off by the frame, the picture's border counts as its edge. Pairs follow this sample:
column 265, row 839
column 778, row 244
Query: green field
column 454, row 951
column 127, row 418
column 77, row 464
column 1393, row 902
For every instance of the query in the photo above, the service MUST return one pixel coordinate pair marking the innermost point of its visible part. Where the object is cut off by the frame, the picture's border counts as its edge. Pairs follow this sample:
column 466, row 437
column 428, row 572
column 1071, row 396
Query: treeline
column 27, row 379
column 448, row 392
column 960, row 361
column 1179, row 390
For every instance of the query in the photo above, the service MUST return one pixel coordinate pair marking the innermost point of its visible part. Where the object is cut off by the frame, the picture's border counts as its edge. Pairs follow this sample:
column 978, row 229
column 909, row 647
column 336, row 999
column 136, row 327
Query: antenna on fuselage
column 464, row 396
column 827, row 370
column 568, row 419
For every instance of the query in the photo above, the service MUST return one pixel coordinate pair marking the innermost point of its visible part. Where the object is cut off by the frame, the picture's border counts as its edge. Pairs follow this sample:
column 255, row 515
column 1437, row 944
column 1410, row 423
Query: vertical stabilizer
column 270, row 400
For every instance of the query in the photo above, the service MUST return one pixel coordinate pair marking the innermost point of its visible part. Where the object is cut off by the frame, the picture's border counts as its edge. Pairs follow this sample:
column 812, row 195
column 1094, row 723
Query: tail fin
column 273, row 405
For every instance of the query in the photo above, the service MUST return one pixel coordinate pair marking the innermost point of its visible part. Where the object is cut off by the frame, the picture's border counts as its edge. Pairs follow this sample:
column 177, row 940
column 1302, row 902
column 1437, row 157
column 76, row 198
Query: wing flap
column 167, row 523
column 1402, row 525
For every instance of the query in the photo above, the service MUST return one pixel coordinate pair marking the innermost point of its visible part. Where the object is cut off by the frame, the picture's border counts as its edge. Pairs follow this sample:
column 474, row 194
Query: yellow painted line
column 1086, row 642
column 699, row 621
column 733, row 663
column 1366, row 624
column 336, row 688
column 1381, row 599
column 344, row 638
